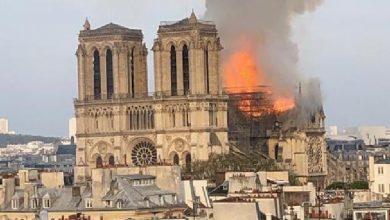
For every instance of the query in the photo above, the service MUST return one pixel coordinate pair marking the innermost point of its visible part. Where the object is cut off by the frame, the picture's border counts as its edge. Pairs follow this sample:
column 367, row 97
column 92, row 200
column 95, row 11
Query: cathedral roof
column 186, row 24
column 111, row 29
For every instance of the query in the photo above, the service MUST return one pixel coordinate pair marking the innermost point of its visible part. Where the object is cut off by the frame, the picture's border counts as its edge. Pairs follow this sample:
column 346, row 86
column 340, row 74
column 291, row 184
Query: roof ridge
column 112, row 25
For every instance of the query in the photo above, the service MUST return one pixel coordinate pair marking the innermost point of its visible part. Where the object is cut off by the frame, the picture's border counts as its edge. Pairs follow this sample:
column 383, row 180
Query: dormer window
column 147, row 202
column 119, row 204
column 174, row 199
column 34, row 203
column 162, row 201
column 46, row 203
column 88, row 203
column 15, row 203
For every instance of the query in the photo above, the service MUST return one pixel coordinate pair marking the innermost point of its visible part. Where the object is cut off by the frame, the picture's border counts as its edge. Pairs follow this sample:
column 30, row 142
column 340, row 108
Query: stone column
column 179, row 66
column 81, row 73
column 89, row 76
column 193, row 71
column 115, row 63
column 123, row 70
column 166, row 73
column 103, row 74
column 157, row 71
column 137, row 73
column 200, row 71
column 144, row 73
column 214, row 80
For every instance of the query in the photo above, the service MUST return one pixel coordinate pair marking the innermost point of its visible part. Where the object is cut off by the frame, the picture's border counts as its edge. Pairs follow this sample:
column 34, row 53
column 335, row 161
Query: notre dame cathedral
column 119, row 123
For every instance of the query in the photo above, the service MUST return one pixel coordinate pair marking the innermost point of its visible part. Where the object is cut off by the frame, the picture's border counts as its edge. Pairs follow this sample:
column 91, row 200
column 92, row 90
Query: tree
column 359, row 185
column 228, row 162
column 353, row 185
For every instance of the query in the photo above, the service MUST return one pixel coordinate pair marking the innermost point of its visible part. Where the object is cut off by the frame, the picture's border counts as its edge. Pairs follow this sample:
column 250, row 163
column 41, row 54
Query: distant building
column 344, row 143
column 3, row 126
column 371, row 210
column 333, row 130
column 72, row 128
column 379, row 176
column 369, row 134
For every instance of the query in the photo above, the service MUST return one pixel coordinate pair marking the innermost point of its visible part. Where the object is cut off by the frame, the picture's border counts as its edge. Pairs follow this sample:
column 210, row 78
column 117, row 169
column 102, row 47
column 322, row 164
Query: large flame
column 282, row 104
column 243, row 74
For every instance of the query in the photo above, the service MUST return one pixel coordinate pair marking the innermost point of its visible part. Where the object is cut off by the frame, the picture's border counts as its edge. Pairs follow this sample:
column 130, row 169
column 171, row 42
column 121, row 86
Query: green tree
column 228, row 162
column 359, row 185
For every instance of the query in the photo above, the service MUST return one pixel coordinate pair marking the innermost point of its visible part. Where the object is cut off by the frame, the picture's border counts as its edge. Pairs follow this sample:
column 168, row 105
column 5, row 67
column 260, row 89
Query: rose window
column 144, row 153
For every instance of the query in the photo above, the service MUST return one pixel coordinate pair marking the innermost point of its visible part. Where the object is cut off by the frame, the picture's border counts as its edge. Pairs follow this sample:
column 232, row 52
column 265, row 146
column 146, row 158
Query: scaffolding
column 250, row 117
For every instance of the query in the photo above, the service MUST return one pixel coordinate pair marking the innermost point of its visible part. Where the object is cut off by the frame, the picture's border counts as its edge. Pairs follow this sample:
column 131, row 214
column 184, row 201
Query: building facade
column 120, row 124
column 379, row 176
column 371, row 135
column 72, row 128
column 3, row 126
column 114, row 194
column 301, row 149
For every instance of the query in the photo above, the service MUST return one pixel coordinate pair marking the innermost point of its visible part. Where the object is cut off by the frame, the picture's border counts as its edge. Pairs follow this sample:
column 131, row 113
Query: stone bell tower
column 111, row 62
column 112, row 71
column 191, row 112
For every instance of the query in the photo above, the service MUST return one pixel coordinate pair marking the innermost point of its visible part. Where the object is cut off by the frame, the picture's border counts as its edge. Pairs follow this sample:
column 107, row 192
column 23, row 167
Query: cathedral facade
column 119, row 123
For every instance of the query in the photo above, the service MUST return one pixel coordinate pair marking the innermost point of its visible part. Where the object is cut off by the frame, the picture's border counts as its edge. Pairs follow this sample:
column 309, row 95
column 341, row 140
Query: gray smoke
column 266, row 26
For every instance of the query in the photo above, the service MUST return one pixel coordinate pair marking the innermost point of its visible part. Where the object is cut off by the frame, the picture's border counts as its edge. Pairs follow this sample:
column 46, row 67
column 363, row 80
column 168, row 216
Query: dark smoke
column 266, row 26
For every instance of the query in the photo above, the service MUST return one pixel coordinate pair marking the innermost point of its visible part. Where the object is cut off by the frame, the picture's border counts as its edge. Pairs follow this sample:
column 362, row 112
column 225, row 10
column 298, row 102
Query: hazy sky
column 346, row 43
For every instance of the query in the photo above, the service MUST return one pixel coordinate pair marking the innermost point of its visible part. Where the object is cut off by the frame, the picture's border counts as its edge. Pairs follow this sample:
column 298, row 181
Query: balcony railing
column 154, row 95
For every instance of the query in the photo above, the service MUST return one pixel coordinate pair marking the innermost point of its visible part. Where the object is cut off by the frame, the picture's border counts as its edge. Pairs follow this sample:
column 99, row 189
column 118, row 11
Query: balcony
column 142, row 97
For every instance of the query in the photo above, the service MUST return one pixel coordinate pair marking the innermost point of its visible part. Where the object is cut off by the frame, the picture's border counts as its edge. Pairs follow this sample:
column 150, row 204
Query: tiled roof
column 66, row 149
column 131, row 197
column 187, row 24
column 383, row 161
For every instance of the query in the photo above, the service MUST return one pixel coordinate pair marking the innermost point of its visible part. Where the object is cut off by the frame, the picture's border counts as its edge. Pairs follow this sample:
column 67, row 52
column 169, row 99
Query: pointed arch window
column 131, row 73
column 99, row 162
column 188, row 161
column 96, row 75
column 207, row 80
column 186, row 70
column 110, row 75
column 176, row 159
column 173, row 71
column 111, row 161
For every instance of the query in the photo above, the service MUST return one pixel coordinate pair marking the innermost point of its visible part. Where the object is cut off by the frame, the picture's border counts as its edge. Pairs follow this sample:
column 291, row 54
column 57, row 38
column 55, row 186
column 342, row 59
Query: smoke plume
column 264, row 28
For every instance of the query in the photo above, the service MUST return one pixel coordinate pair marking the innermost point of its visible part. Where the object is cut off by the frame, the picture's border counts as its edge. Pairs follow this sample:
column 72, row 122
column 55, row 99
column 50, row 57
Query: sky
column 346, row 44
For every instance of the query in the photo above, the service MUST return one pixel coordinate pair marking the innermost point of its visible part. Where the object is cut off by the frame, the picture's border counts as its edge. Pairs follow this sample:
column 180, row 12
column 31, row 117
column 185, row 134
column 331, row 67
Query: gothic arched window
column 206, row 63
column 131, row 73
column 186, row 70
column 276, row 148
column 111, row 161
column 99, row 162
column 110, row 75
column 96, row 75
column 173, row 71
column 188, row 161
column 176, row 159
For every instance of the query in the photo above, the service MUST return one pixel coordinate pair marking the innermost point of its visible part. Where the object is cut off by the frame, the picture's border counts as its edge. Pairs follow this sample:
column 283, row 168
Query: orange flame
column 243, row 74
column 283, row 104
